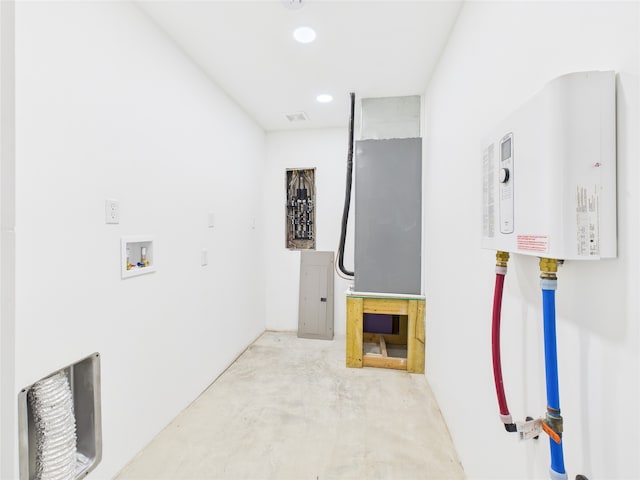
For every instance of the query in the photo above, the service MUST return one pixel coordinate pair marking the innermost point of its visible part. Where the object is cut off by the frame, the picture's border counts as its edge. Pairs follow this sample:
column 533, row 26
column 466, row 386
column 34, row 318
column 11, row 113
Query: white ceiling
column 373, row 48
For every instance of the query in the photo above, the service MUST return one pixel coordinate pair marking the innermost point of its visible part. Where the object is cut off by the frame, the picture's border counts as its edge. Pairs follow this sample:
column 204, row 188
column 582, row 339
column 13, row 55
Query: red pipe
column 505, row 416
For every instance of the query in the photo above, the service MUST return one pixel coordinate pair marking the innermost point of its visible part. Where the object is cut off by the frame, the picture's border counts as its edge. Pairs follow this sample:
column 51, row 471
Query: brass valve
column 553, row 424
column 554, row 421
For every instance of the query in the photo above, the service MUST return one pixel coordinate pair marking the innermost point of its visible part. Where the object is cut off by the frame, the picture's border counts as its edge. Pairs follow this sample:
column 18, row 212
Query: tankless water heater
column 549, row 172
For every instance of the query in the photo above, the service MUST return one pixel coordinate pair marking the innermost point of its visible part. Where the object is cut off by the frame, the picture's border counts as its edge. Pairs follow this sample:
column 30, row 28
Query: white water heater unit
column 549, row 173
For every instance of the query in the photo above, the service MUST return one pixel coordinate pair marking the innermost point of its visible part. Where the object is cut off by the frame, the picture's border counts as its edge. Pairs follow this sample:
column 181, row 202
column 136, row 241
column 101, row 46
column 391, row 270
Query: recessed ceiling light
column 324, row 98
column 304, row 34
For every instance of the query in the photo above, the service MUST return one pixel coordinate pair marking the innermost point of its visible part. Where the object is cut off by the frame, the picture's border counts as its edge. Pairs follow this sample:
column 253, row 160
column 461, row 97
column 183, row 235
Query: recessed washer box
column 549, row 173
column 137, row 256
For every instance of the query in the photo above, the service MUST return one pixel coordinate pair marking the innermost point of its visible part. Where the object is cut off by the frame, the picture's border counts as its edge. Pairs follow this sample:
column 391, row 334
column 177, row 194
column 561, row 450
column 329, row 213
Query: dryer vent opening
column 60, row 423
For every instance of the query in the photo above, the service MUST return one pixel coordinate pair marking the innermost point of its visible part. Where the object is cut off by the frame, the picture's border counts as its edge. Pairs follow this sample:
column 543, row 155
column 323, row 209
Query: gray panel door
column 388, row 216
column 315, row 316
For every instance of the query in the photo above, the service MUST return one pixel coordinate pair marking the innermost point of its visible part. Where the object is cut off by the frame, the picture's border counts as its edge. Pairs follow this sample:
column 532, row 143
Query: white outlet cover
column 111, row 211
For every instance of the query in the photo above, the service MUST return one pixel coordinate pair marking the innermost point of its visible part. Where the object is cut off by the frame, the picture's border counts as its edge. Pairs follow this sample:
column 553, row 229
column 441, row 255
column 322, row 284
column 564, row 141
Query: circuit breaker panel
column 301, row 209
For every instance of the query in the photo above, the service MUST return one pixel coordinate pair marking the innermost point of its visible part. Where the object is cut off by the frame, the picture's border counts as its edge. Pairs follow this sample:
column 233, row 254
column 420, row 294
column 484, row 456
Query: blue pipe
column 551, row 370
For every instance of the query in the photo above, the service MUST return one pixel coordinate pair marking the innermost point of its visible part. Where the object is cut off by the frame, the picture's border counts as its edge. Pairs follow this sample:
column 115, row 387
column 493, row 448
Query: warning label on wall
column 533, row 243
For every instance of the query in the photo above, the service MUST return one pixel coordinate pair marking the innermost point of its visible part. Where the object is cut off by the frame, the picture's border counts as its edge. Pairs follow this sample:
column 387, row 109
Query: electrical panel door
column 315, row 318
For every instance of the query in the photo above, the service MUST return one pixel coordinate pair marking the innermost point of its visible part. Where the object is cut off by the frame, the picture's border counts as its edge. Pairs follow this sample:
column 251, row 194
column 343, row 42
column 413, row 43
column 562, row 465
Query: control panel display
column 506, row 183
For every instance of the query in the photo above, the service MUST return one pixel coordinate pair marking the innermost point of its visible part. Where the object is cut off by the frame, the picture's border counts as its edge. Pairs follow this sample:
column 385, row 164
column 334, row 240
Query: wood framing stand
column 411, row 333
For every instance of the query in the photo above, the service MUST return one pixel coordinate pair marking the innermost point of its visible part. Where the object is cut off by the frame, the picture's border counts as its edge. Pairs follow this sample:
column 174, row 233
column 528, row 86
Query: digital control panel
column 506, row 183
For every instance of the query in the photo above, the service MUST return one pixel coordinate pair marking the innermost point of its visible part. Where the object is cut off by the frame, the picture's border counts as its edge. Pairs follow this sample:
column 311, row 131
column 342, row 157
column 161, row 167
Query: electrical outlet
column 111, row 211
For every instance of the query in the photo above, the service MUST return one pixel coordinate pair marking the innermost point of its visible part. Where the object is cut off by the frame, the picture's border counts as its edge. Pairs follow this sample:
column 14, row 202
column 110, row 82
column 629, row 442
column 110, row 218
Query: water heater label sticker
column 533, row 243
column 587, row 219
column 488, row 201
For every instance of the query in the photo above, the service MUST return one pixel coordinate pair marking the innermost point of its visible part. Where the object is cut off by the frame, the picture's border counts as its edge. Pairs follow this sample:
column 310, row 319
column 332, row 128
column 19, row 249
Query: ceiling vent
column 297, row 117
column 293, row 4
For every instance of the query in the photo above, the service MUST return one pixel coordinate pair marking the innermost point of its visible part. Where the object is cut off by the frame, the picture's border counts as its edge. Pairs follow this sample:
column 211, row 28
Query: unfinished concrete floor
column 288, row 408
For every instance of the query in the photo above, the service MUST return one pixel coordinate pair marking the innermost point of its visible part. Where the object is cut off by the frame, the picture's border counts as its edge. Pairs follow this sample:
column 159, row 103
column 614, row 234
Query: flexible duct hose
column 551, row 373
column 55, row 427
column 347, row 195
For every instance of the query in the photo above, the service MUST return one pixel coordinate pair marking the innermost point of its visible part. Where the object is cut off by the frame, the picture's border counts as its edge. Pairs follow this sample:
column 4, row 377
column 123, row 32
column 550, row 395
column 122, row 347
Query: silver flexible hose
column 55, row 424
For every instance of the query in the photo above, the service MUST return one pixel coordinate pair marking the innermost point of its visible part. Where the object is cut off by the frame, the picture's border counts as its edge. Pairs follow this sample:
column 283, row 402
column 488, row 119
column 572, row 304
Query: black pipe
column 347, row 195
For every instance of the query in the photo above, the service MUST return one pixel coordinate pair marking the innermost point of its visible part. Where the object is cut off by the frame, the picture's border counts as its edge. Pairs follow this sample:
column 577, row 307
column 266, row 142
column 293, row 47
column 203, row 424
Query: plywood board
column 354, row 332
column 415, row 340
column 384, row 362
column 384, row 305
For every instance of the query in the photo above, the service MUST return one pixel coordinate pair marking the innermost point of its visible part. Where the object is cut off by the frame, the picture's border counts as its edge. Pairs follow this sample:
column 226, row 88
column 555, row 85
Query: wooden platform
column 411, row 333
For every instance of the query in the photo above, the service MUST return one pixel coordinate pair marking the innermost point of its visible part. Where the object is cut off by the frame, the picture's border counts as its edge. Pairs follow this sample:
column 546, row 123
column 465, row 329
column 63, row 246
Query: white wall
column 7, row 236
column 326, row 150
column 109, row 107
column 498, row 55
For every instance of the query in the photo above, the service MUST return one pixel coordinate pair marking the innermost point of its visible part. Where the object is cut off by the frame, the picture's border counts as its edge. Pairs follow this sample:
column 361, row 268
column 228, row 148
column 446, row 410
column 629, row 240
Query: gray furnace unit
column 388, row 215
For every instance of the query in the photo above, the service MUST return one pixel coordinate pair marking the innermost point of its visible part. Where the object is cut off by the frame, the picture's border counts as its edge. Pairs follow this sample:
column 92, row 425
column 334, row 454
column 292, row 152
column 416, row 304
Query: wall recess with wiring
column 301, row 209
